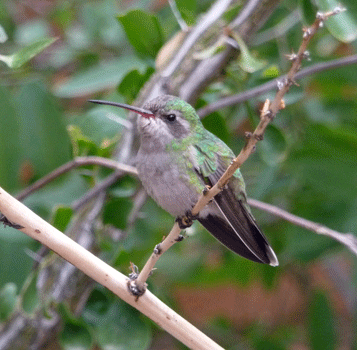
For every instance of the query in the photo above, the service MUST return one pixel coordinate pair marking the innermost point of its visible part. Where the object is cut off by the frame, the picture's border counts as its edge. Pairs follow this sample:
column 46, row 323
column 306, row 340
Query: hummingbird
column 178, row 158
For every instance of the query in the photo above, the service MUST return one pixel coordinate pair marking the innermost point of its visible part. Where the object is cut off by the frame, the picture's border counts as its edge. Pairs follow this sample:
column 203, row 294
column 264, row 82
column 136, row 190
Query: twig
column 248, row 9
column 269, row 111
column 259, row 90
column 178, row 16
column 347, row 239
column 215, row 12
column 149, row 305
column 278, row 30
column 138, row 285
column 77, row 162
column 96, row 190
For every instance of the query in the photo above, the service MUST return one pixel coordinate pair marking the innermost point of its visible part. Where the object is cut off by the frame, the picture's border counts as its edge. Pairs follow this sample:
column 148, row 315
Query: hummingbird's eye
column 171, row 117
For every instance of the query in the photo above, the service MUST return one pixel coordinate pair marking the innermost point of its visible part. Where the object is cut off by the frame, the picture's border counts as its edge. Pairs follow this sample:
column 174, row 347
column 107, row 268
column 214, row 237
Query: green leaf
column 321, row 329
column 271, row 72
column 143, row 31
column 8, row 300
column 217, row 125
column 342, row 26
column 313, row 161
column 133, row 82
column 268, row 344
column 308, row 10
column 121, row 328
column 19, row 58
column 188, row 10
column 97, row 307
column 104, row 76
column 210, row 51
column 305, row 247
column 64, row 190
column 9, row 141
column 116, row 212
column 126, row 187
column 247, row 62
column 273, row 149
column 30, row 300
column 81, row 144
column 76, row 336
column 61, row 217
column 43, row 137
column 3, row 35
column 99, row 124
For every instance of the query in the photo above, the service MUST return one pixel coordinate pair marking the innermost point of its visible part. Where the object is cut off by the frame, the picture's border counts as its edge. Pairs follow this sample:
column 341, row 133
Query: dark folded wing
column 227, row 236
column 235, row 227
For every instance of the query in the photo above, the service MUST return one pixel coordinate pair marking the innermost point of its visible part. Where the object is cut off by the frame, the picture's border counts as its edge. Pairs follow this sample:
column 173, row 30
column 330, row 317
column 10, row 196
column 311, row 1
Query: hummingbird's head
column 164, row 119
column 172, row 119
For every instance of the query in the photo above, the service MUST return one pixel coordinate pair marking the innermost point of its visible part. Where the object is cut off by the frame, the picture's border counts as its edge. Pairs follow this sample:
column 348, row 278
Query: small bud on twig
column 248, row 135
column 280, row 84
column 292, row 57
column 306, row 55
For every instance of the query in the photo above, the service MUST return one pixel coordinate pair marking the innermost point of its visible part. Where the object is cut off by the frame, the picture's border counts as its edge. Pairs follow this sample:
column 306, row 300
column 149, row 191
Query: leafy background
column 306, row 165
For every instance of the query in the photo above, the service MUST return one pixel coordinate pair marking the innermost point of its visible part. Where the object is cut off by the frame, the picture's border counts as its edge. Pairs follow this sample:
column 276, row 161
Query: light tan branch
column 148, row 304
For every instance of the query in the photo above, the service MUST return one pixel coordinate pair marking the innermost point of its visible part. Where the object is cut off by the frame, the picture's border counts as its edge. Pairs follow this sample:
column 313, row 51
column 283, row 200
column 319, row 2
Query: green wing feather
column 236, row 228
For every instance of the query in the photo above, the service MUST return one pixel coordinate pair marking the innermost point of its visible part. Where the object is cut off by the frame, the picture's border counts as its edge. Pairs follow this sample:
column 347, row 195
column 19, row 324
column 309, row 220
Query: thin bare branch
column 259, row 90
column 138, row 286
column 248, row 9
column 347, row 239
column 96, row 190
column 178, row 16
column 277, row 31
column 75, row 163
column 215, row 12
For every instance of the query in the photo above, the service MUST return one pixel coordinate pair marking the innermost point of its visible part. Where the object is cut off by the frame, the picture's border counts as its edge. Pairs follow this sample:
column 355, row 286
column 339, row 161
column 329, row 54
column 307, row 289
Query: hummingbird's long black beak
column 143, row 112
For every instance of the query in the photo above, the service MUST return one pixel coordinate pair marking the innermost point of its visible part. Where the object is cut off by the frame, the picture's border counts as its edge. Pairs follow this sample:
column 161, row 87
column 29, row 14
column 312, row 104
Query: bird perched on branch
column 178, row 158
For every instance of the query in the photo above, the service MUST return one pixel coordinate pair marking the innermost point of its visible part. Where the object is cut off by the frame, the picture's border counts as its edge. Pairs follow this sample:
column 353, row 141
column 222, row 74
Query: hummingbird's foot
column 183, row 222
column 157, row 249
column 133, row 287
column 206, row 190
column 135, row 290
column 186, row 220
column 180, row 238
column 133, row 275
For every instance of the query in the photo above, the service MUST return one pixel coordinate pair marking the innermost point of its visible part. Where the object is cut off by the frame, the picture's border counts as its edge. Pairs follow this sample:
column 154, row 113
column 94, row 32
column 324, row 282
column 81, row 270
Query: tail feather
column 235, row 227
column 219, row 228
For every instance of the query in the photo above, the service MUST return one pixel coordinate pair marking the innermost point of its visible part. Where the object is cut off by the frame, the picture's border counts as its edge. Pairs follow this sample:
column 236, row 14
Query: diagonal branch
column 98, row 270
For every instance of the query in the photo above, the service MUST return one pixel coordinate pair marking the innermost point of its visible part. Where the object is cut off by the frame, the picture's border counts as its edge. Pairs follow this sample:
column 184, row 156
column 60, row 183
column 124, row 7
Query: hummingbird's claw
column 180, row 238
column 157, row 249
column 133, row 287
column 135, row 290
column 133, row 275
column 186, row 220
column 206, row 190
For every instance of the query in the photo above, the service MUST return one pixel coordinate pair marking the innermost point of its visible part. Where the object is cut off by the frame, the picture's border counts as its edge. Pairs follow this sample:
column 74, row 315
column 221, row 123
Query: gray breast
column 166, row 183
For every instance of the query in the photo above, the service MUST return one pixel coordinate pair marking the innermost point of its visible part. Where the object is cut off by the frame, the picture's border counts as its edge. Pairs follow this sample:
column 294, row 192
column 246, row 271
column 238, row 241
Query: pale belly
column 167, row 184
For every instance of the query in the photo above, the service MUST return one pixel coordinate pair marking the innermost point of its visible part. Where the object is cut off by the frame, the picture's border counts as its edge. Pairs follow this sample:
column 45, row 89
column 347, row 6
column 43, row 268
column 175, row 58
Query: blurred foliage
column 56, row 55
